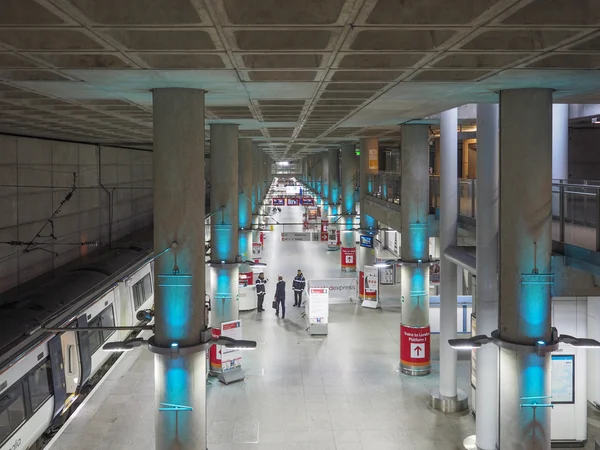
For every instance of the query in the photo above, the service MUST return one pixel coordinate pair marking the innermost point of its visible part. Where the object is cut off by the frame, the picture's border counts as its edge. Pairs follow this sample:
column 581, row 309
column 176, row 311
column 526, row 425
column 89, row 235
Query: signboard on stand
column 332, row 239
column 348, row 257
column 371, row 287
column 415, row 346
column 324, row 227
column 386, row 276
column 231, row 359
column 318, row 310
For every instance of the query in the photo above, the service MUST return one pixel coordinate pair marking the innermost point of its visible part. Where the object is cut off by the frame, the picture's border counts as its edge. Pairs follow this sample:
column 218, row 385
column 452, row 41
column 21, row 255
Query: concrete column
column 334, row 177
column 304, row 170
column 319, row 173
column 486, row 296
column 325, row 180
column 245, row 200
column 560, row 142
column 224, row 226
column 525, row 246
column 255, row 175
column 180, row 311
column 349, row 173
column 448, row 398
column 367, row 146
column 415, row 247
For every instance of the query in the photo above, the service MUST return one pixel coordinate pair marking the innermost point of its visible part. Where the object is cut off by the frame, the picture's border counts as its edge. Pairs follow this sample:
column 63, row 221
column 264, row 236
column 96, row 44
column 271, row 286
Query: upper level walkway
column 575, row 214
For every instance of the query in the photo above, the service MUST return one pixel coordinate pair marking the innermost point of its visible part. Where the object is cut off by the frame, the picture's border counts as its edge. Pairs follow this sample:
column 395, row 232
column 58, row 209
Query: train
column 44, row 375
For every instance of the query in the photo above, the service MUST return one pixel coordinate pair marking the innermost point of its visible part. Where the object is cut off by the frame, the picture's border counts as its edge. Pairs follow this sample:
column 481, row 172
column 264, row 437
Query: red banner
column 348, row 257
column 215, row 357
column 415, row 346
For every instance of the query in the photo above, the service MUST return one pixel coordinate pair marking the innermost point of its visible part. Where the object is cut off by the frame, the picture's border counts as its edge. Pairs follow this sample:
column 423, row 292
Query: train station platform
column 338, row 392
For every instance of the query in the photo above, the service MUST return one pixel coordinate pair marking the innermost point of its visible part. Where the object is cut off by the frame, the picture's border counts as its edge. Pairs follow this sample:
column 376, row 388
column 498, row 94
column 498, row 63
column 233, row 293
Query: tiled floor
column 340, row 392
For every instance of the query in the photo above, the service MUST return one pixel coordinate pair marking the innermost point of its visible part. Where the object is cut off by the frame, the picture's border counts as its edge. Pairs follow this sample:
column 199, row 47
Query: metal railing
column 575, row 205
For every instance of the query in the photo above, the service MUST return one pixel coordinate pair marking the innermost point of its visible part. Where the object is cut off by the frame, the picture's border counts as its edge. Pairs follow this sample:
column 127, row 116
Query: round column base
column 415, row 371
column 449, row 404
column 470, row 443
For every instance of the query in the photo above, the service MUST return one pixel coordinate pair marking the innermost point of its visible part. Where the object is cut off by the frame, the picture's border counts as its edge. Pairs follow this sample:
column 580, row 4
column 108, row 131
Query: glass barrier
column 575, row 205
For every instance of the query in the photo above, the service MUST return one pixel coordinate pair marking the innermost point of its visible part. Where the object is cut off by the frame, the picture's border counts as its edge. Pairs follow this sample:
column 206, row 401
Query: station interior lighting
column 477, row 341
column 227, row 342
column 283, row 163
column 469, row 343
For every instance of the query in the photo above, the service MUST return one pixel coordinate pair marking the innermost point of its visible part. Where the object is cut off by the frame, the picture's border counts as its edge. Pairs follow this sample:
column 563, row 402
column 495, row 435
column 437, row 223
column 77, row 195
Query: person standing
column 261, row 290
column 280, row 297
column 298, row 287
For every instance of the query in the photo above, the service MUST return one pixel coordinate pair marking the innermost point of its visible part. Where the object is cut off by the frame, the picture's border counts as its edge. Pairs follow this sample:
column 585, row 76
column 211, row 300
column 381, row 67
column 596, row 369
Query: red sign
column 414, row 346
column 262, row 238
column 215, row 356
column 293, row 201
column 246, row 279
column 348, row 257
column 324, row 226
column 324, row 236
column 339, row 240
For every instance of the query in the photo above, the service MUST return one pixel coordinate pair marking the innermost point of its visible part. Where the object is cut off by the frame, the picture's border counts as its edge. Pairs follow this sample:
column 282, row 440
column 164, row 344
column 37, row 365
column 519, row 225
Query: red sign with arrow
column 415, row 346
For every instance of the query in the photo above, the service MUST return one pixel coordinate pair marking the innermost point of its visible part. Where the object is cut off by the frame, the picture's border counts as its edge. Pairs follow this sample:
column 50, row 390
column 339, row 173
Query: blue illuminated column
column 245, row 201
column 224, row 197
column 325, row 182
column 334, row 181
column 414, row 201
column 304, row 177
column 369, row 166
column 179, row 300
column 318, row 174
column 256, row 155
column 525, row 247
column 486, row 295
column 349, row 174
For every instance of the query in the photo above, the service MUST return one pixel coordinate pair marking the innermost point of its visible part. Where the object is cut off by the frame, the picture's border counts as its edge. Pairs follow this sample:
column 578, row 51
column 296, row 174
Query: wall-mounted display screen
column 366, row 241
column 563, row 379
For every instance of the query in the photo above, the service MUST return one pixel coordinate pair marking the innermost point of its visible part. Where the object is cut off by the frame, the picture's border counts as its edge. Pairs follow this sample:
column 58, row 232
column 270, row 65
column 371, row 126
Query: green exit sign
column 358, row 152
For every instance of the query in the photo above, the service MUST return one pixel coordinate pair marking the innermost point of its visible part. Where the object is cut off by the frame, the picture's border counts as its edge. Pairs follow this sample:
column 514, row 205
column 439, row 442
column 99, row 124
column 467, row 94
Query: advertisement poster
column 257, row 251
column 230, row 358
column 414, row 346
column 373, row 159
column 386, row 276
column 371, row 280
column 434, row 273
column 348, row 256
column 318, row 309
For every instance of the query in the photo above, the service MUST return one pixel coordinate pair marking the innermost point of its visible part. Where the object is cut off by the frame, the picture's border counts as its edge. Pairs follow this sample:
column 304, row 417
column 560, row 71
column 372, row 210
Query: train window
column 142, row 290
column 12, row 411
column 105, row 319
column 40, row 384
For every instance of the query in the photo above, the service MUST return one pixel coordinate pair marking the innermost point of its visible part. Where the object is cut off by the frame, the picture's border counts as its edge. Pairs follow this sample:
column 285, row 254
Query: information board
column 293, row 201
column 318, row 310
column 278, row 202
column 563, row 378
column 231, row 358
column 295, row 236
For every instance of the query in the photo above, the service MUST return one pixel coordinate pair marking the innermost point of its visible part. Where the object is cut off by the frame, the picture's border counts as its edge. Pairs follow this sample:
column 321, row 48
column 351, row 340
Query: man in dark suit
column 280, row 297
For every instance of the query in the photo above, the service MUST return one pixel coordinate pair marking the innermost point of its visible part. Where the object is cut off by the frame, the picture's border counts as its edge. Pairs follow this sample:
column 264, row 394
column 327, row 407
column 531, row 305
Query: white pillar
column 560, row 141
column 448, row 271
column 525, row 247
column 349, row 173
column 486, row 297
column 179, row 311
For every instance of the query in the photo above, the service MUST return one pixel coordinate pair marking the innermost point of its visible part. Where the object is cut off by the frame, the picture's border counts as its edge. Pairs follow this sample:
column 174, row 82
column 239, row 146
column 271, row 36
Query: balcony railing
column 575, row 205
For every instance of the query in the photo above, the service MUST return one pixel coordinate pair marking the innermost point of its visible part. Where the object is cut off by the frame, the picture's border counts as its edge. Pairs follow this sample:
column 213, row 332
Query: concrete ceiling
column 299, row 75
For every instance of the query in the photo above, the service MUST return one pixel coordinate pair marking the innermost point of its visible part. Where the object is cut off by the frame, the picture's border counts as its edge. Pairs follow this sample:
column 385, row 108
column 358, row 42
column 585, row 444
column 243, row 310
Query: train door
column 76, row 356
column 58, row 374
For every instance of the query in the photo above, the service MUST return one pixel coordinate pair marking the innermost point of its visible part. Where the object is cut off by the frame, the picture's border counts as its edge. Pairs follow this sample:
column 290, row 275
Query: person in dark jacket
column 261, row 290
column 280, row 297
column 298, row 287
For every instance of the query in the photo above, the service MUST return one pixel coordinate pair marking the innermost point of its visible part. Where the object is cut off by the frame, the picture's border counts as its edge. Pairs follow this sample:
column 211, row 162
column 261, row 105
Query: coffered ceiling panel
column 298, row 76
